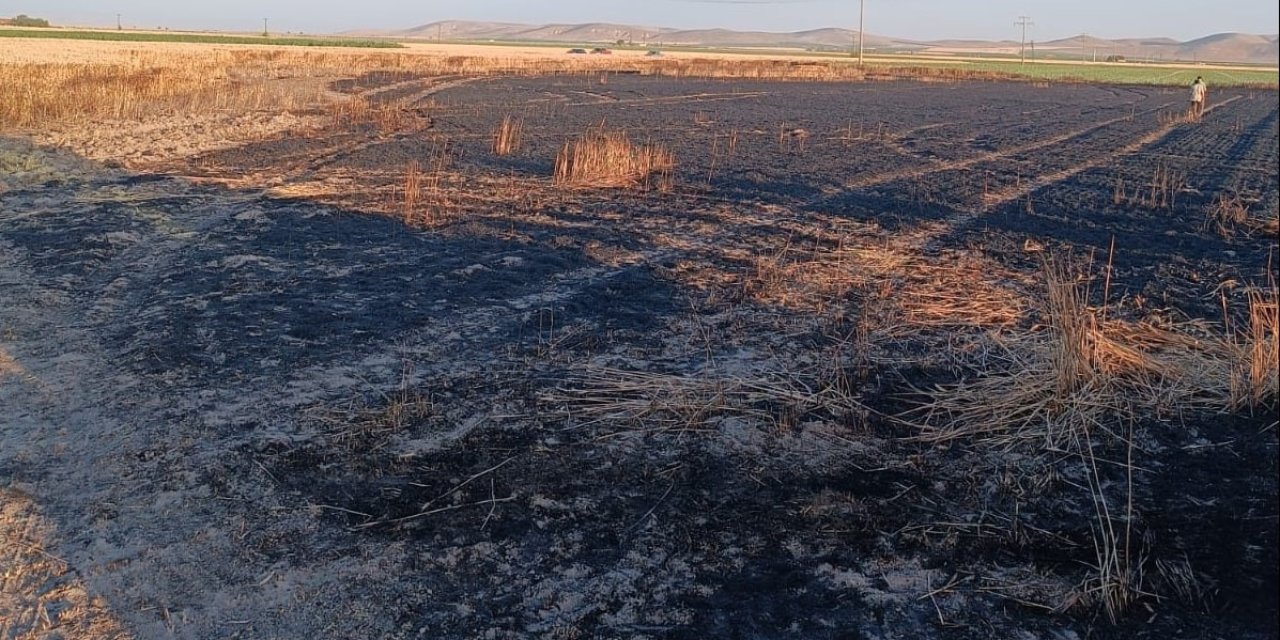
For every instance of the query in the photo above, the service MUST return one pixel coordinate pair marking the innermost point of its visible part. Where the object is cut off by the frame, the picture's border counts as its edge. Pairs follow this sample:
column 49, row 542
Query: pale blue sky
column 919, row 19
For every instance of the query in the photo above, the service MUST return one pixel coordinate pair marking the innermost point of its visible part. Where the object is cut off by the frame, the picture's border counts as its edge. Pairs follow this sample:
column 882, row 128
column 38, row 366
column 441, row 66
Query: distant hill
column 814, row 39
column 606, row 33
column 1223, row 47
column 1233, row 46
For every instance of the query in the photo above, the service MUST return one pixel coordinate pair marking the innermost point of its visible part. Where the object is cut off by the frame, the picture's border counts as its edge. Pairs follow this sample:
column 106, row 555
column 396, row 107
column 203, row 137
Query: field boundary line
column 377, row 91
column 332, row 154
column 696, row 97
column 448, row 82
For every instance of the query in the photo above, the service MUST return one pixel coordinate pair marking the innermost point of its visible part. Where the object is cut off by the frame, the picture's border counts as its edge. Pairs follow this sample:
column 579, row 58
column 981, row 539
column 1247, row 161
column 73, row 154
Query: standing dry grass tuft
column 1076, row 355
column 601, row 158
column 1081, row 370
column 412, row 193
column 1228, row 213
column 1080, row 384
column 421, row 199
column 350, row 112
column 1256, row 376
column 506, row 140
column 1165, row 185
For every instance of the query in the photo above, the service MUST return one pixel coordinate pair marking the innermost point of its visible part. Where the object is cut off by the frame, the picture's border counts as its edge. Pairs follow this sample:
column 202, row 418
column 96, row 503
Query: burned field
column 616, row 356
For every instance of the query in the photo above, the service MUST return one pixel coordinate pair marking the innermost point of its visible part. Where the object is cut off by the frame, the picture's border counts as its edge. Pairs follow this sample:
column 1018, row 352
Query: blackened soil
column 377, row 410
column 701, row 544
column 763, row 549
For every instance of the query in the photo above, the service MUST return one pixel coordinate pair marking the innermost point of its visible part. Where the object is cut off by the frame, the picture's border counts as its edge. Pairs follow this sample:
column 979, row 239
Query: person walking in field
column 1198, row 93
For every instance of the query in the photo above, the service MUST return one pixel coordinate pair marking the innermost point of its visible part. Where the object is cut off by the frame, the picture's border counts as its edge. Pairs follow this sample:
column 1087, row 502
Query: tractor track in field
column 921, row 172
column 1005, row 196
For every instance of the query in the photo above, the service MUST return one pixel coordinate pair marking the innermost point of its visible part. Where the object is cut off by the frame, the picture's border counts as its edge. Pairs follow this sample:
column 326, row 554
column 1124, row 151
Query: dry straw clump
column 366, row 424
column 951, row 291
column 508, row 136
column 1056, row 384
column 1082, row 381
column 421, row 198
column 1080, row 372
column 664, row 402
column 602, row 158
column 412, row 189
column 1227, row 214
column 387, row 118
column 350, row 112
column 1256, row 376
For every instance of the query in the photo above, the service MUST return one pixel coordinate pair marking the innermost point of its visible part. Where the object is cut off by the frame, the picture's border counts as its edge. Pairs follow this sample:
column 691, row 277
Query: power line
column 1024, row 22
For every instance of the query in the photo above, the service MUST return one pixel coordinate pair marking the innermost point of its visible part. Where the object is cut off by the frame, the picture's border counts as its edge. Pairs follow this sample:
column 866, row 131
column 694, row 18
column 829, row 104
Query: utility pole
column 862, row 21
column 119, row 27
column 1024, row 22
column 265, row 33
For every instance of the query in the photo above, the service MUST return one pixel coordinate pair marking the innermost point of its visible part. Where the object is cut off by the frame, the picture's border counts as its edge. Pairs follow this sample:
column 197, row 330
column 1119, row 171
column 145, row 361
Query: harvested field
column 913, row 359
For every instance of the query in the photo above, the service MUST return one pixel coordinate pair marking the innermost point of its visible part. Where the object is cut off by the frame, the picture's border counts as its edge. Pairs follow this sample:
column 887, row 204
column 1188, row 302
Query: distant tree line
column 23, row 20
